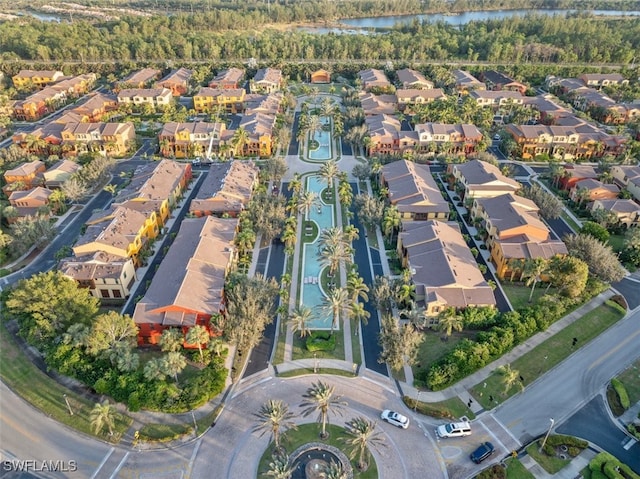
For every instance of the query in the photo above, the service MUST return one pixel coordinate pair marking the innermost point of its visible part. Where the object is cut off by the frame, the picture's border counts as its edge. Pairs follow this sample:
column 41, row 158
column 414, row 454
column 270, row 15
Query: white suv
column 454, row 429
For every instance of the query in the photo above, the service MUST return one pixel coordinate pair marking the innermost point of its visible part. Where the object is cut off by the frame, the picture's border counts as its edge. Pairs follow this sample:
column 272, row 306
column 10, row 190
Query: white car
column 496, row 137
column 395, row 418
column 454, row 429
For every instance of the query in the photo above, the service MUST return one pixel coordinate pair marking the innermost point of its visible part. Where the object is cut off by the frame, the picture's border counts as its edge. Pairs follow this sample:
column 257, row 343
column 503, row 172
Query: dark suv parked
column 482, row 452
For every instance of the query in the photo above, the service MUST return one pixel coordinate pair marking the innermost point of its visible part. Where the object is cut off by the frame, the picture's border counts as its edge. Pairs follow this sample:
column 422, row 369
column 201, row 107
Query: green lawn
column 45, row 394
column 547, row 354
column 307, row 433
column 515, row 470
column 518, row 293
column 569, row 220
column 433, row 348
column 550, row 464
column 164, row 432
column 616, row 242
column 630, row 377
column 300, row 350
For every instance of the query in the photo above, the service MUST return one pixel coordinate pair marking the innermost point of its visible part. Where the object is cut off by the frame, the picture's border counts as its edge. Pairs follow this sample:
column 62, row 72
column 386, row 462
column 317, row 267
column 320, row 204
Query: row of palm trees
column 275, row 418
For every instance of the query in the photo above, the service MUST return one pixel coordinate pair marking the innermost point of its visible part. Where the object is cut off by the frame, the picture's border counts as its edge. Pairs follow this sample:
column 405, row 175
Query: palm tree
column 415, row 315
column 510, row 378
column 334, row 470
column 533, row 268
column 450, row 320
column 280, row 468
column 356, row 287
column 239, row 140
column 174, row 364
column 345, row 193
column 328, row 172
column 274, row 416
column 198, row 335
column 359, row 314
column 103, row 416
column 57, row 199
column 155, row 370
column 363, row 435
column 320, row 398
column 306, row 201
column 299, row 319
column 314, row 125
column 295, row 184
column 391, row 221
column 171, row 339
column 335, row 302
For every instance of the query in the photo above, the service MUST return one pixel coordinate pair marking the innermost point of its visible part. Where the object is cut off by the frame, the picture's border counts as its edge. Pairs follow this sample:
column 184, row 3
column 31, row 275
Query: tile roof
column 190, row 279
column 408, row 77
column 442, row 265
column 142, row 76
column 226, row 188
column 412, row 188
column 476, row 172
column 154, row 181
column 25, row 169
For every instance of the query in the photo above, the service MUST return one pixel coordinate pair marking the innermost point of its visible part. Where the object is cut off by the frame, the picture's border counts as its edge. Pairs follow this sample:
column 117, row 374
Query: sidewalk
column 462, row 387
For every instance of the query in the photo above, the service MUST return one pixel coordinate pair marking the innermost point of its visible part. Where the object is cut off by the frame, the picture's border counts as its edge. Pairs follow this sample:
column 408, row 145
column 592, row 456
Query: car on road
column 483, row 451
column 496, row 137
column 454, row 429
column 395, row 418
column 197, row 161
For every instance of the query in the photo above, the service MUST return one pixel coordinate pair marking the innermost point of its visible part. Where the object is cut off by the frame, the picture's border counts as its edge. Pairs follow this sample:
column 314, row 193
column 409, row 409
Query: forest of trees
column 230, row 35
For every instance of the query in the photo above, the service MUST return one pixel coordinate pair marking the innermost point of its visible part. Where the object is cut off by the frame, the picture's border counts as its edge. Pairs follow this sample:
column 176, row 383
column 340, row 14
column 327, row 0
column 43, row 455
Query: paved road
column 593, row 423
column 230, row 448
column 567, row 387
column 365, row 265
column 630, row 289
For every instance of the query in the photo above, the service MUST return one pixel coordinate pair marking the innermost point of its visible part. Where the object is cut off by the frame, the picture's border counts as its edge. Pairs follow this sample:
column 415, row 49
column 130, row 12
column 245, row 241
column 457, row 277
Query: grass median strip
column 45, row 394
column 548, row 354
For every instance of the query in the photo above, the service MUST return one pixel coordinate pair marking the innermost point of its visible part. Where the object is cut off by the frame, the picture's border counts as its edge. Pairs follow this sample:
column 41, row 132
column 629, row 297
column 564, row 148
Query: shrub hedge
column 621, row 391
column 321, row 341
column 574, row 445
column 500, row 332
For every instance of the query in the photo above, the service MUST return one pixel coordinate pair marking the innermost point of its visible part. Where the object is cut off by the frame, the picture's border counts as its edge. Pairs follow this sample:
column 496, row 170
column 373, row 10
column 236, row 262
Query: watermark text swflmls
column 32, row 465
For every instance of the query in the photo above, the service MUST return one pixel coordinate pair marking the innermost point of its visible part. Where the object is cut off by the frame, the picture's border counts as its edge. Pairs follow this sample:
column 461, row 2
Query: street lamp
column 315, row 363
column 544, row 441
column 68, row 405
column 415, row 405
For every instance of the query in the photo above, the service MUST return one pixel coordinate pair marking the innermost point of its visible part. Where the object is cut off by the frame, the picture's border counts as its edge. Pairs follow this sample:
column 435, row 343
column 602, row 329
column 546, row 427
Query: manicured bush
column 321, row 341
column 621, row 391
column 574, row 445
column 633, row 431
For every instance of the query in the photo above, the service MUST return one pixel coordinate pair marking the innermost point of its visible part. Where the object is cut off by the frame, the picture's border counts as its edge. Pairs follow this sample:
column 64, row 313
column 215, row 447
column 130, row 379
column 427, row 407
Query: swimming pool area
column 323, row 137
column 310, row 285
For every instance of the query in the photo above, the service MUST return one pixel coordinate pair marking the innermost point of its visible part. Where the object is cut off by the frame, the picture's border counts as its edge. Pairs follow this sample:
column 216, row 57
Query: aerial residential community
column 319, row 240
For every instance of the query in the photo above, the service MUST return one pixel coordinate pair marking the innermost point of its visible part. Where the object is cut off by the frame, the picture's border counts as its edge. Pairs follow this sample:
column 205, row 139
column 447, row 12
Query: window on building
column 104, row 293
column 117, row 294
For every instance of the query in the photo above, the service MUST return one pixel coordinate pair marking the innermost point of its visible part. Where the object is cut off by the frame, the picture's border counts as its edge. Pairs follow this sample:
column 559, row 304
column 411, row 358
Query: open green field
column 45, row 394
column 548, row 354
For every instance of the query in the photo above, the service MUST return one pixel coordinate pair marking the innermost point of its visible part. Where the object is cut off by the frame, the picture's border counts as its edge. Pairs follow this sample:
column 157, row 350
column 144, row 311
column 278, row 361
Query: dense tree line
column 533, row 38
